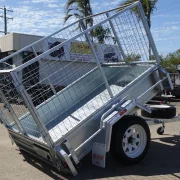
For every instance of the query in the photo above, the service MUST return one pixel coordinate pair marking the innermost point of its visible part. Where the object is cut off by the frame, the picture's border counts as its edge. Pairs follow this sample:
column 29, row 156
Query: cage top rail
column 35, row 59
column 44, row 38
column 104, row 12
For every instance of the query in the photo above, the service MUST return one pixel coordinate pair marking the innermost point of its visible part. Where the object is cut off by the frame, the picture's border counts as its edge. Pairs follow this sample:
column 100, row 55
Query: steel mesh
column 64, row 74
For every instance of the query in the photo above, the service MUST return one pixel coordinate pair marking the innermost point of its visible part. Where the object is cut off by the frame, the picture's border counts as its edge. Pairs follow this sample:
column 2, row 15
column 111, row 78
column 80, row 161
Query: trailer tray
column 76, row 95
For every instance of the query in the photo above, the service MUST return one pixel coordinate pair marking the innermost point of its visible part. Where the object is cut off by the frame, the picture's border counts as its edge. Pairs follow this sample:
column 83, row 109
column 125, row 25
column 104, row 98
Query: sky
column 43, row 17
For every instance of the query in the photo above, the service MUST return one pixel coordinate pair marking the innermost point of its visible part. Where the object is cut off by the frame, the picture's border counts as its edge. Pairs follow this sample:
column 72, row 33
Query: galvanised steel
column 64, row 94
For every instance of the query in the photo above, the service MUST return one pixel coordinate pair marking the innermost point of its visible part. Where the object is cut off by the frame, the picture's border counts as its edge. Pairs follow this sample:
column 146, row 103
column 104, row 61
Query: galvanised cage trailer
column 94, row 111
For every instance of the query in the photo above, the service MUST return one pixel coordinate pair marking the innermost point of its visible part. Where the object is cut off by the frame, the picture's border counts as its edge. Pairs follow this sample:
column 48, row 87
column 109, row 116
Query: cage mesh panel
column 46, row 44
column 53, row 77
column 5, row 115
column 65, row 85
column 17, row 104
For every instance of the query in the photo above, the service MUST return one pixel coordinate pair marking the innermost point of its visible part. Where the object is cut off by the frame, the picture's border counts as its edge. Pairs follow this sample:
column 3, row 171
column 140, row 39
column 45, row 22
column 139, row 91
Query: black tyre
column 160, row 111
column 130, row 140
column 176, row 92
column 160, row 130
column 154, row 102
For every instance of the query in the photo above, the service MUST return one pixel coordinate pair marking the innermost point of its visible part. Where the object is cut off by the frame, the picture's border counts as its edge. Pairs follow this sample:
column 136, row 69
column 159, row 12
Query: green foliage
column 148, row 6
column 133, row 57
column 101, row 33
column 79, row 9
column 171, row 61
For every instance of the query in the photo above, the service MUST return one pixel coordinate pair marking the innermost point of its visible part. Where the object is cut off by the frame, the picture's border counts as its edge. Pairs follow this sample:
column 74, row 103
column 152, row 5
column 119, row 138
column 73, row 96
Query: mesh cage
column 13, row 109
column 71, row 74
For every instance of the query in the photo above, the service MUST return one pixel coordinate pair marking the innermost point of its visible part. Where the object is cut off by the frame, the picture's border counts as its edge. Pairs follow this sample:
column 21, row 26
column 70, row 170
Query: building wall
column 26, row 39
column 6, row 43
column 77, row 58
column 15, row 41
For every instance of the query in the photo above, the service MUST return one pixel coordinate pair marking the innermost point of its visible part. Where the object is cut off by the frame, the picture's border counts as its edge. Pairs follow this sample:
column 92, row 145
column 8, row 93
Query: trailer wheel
column 130, row 140
column 160, row 130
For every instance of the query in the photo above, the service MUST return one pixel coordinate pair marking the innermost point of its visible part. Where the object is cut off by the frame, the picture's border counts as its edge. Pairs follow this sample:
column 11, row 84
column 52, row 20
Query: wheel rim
column 134, row 141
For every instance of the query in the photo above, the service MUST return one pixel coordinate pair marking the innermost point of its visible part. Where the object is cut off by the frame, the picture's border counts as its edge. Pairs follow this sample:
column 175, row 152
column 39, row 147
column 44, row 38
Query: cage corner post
column 96, row 59
column 28, row 102
column 148, row 33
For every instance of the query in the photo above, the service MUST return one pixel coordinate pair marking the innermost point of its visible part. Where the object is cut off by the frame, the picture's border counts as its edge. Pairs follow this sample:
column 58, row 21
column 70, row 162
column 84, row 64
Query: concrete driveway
column 162, row 161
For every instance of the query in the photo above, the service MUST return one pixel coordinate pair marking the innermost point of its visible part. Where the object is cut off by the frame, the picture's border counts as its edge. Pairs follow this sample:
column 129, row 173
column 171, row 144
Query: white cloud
column 44, row 1
column 24, row 2
column 35, row 21
column 166, row 30
column 165, row 15
column 172, row 23
column 52, row 6
column 106, row 4
column 167, row 38
column 175, row 27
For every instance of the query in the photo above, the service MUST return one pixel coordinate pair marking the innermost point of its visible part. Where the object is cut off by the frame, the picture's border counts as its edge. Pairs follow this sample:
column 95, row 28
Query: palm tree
column 79, row 9
column 148, row 6
column 101, row 33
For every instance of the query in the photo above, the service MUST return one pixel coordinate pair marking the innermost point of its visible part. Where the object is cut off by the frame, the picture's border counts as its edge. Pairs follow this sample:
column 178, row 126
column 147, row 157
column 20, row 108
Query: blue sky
column 42, row 17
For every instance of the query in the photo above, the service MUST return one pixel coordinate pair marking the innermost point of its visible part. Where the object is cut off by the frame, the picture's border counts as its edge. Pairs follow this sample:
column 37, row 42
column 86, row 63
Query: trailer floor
column 82, row 113
column 58, row 130
column 162, row 161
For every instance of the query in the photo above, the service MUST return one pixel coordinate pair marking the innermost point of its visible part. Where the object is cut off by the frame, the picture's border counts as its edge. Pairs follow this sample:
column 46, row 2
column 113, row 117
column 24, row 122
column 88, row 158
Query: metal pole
column 5, row 21
column 4, row 120
column 43, row 130
column 117, row 39
column 148, row 32
column 97, row 59
column 12, row 113
column 26, row 98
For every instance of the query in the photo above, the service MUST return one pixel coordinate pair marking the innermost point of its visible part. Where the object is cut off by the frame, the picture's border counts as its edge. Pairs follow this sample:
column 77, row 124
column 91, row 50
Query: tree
column 171, row 61
column 133, row 57
column 79, row 9
column 102, row 33
column 148, row 7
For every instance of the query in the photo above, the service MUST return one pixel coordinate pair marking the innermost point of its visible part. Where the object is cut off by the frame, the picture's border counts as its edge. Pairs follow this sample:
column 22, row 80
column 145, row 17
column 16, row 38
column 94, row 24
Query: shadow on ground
column 163, row 158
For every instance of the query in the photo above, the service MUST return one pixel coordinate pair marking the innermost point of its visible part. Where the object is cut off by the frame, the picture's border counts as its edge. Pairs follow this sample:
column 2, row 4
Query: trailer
column 96, row 109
